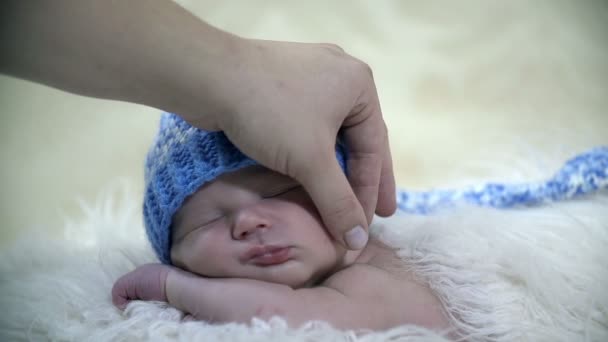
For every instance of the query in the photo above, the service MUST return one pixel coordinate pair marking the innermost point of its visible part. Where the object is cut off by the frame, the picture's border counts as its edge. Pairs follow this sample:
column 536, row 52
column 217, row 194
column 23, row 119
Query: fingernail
column 356, row 238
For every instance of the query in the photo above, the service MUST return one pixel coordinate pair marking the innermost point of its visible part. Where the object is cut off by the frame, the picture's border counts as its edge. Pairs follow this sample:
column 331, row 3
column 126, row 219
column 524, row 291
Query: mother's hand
column 287, row 103
column 281, row 103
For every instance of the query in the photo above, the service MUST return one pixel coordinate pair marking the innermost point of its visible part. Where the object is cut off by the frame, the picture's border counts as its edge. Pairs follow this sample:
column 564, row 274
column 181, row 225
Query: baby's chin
column 293, row 278
column 297, row 275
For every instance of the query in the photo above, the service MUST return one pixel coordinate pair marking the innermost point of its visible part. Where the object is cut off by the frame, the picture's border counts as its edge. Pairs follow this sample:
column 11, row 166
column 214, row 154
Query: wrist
column 172, row 288
column 179, row 287
column 201, row 80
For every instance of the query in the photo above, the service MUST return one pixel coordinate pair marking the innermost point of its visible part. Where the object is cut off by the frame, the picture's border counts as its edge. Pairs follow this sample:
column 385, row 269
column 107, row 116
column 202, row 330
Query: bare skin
column 369, row 294
column 281, row 103
column 251, row 244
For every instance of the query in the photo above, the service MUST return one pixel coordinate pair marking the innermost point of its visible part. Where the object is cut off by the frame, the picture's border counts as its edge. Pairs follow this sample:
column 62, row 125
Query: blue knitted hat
column 181, row 160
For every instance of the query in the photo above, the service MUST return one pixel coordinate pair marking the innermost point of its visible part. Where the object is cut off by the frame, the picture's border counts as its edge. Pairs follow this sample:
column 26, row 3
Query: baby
column 239, row 241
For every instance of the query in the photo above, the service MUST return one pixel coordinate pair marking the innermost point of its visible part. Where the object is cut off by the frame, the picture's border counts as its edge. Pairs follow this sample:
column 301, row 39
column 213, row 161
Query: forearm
column 231, row 299
column 239, row 300
column 151, row 52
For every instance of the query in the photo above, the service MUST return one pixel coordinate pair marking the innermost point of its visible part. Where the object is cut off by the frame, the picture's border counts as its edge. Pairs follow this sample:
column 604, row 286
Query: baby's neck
column 373, row 250
column 364, row 256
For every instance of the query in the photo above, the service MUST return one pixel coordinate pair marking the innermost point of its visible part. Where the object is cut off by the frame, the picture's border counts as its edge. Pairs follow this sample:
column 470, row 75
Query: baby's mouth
column 267, row 255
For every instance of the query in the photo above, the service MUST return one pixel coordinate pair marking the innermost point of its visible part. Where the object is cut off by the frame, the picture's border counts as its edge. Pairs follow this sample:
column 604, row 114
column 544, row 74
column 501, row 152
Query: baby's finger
column 120, row 297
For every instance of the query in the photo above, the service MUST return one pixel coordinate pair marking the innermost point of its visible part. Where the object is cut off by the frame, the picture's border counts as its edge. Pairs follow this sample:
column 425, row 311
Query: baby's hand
column 147, row 282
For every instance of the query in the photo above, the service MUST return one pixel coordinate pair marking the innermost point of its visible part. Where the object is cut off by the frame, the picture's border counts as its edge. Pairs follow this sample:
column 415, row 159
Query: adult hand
column 281, row 103
column 287, row 104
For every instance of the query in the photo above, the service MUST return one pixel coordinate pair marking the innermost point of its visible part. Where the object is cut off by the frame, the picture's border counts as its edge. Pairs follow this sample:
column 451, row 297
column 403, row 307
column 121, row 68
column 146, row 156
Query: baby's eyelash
column 208, row 222
column 198, row 227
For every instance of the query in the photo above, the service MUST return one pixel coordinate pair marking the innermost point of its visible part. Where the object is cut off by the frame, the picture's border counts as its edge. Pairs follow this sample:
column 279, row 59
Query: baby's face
column 256, row 224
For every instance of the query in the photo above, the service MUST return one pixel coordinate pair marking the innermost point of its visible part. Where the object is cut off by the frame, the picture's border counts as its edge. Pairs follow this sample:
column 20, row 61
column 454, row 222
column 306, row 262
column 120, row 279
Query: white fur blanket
column 463, row 86
column 519, row 275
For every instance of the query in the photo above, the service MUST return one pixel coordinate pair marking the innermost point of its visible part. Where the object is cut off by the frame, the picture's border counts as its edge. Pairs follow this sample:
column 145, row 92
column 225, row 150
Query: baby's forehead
column 226, row 189
column 253, row 176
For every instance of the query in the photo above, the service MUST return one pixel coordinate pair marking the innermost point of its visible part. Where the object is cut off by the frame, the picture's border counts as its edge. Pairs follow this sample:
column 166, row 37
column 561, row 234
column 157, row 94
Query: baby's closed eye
column 211, row 219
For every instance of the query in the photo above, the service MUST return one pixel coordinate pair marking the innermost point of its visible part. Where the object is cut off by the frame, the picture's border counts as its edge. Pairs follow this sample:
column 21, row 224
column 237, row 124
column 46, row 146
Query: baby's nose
column 248, row 222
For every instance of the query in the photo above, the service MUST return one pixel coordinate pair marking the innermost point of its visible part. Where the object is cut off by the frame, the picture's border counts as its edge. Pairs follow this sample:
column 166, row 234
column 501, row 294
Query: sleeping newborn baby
column 238, row 241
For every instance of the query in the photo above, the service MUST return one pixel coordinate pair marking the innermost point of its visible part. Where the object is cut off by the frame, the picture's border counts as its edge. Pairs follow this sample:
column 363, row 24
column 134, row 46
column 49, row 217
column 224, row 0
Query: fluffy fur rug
column 535, row 274
column 463, row 85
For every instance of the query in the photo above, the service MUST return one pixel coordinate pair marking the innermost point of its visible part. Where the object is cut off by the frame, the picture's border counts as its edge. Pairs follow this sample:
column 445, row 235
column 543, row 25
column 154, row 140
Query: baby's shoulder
column 357, row 279
column 362, row 279
column 384, row 283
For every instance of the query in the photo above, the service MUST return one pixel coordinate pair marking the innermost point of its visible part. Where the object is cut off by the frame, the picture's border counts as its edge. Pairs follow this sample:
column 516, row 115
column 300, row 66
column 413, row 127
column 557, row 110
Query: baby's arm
column 359, row 297
column 232, row 299
column 228, row 299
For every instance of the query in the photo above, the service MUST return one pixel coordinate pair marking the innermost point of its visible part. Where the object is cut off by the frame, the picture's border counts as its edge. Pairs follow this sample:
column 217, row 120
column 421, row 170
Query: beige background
column 471, row 91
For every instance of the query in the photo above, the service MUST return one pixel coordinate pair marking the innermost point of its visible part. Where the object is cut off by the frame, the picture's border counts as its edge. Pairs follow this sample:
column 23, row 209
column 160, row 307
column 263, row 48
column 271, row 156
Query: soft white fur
column 464, row 86
column 527, row 275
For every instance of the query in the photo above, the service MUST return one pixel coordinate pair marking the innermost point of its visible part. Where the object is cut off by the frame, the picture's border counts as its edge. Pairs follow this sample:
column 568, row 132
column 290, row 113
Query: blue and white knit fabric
column 181, row 159
column 583, row 174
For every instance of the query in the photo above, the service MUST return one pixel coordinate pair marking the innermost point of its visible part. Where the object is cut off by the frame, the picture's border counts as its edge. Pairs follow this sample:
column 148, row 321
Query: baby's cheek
column 307, row 207
column 207, row 253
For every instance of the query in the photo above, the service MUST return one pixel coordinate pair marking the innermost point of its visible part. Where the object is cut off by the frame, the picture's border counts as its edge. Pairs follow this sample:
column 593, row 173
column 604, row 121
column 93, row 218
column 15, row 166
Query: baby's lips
column 275, row 257
column 265, row 254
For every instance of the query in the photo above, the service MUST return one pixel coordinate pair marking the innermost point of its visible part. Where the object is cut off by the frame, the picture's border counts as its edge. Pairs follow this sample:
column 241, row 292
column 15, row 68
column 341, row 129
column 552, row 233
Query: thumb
column 336, row 202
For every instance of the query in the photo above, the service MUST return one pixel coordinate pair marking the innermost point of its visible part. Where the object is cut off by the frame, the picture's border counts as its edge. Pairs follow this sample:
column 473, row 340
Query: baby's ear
column 175, row 236
column 173, row 251
column 174, row 257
